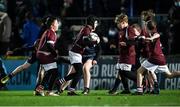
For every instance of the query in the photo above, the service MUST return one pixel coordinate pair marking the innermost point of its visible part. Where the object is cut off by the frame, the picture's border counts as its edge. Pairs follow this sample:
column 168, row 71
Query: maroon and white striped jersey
column 79, row 44
column 46, row 49
column 157, row 57
column 127, row 53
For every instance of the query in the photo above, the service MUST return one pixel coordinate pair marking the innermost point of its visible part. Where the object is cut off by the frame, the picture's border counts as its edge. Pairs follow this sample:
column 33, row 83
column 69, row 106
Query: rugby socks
column 131, row 75
column 79, row 73
column 151, row 89
column 10, row 76
column 86, row 90
column 75, row 76
column 52, row 78
column 124, row 80
column 156, row 88
column 156, row 85
column 116, row 84
column 45, row 80
column 61, row 81
column 125, row 83
column 140, row 89
column 75, row 82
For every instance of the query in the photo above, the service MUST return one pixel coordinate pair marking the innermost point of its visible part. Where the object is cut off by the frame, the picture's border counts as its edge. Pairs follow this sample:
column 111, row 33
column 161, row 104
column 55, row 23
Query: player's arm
column 86, row 33
column 16, row 50
column 153, row 37
column 51, row 48
column 51, row 44
column 131, row 37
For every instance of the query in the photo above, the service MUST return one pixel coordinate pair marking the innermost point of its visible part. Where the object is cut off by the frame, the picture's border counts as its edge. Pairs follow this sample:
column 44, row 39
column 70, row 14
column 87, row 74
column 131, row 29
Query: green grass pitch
column 95, row 98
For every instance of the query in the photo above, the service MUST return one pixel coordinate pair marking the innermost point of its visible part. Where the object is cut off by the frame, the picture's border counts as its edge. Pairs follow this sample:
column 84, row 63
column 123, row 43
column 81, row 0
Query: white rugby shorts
column 152, row 67
column 123, row 66
column 49, row 66
column 141, row 59
column 75, row 57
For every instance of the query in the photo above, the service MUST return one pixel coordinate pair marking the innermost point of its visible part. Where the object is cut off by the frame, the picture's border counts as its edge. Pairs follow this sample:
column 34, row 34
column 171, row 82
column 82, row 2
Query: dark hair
column 151, row 25
column 91, row 19
column 49, row 20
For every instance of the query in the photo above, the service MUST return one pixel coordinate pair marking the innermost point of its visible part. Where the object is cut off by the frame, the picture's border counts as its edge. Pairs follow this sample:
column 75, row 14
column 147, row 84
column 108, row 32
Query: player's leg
column 154, row 86
column 76, row 61
column 41, row 86
column 65, row 79
column 87, row 75
column 52, row 78
column 113, row 91
column 75, row 77
column 40, row 75
column 124, row 81
column 64, row 85
column 16, row 71
column 172, row 74
column 79, row 72
column 147, row 83
column 39, row 79
column 61, row 87
column 146, row 66
column 50, row 75
column 130, row 75
column 140, row 72
column 3, row 73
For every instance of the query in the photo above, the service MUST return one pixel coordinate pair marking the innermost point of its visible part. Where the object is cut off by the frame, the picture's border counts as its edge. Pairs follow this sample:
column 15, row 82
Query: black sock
column 116, row 84
column 86, row 88
column 52, row 78
column 124, row 80
column 69, row 77
column 45, row 80
column 77, row 77
column 156, row 85
column 131, row 75
column 10, row 76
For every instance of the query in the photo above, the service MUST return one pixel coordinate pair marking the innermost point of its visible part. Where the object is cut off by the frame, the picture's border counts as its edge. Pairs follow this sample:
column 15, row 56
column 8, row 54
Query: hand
column 112, row 46
column 142, row 37
column 122, row 43
column 105, row 39
column 94, row 62
column 148, row 39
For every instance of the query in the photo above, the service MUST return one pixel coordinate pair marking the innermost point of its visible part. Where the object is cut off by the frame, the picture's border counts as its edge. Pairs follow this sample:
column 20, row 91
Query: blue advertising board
column 103, row 75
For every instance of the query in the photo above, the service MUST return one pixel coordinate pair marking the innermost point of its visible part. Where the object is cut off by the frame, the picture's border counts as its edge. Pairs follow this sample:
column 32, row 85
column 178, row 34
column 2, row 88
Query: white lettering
column 167, row 84
column 172, row 83
column 178, row 83
column 174, row 66
column 95, row 71
column 103, row 70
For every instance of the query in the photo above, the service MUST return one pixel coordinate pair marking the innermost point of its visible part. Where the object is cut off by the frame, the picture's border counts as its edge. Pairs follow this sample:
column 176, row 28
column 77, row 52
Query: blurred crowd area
column 20, row 19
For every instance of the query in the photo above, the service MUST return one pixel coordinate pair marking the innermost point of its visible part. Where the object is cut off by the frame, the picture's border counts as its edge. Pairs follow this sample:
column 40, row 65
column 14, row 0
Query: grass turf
column 95, row 98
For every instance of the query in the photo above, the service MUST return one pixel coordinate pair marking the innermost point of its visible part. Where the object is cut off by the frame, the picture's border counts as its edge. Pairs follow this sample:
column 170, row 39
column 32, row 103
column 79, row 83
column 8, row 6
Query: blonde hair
column 121, row 18
column 147, row 15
